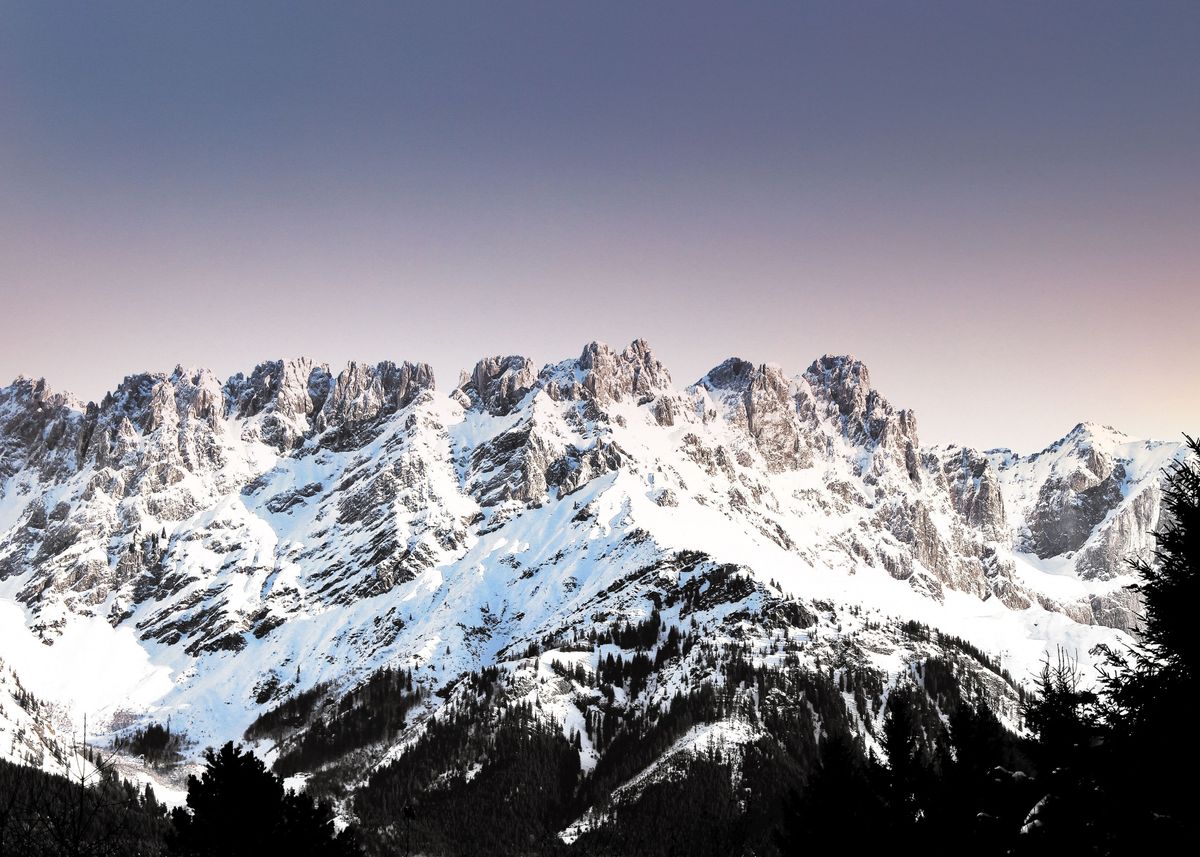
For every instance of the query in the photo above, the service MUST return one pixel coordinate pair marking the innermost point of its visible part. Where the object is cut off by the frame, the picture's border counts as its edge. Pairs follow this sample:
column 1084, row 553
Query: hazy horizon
column 996, row 208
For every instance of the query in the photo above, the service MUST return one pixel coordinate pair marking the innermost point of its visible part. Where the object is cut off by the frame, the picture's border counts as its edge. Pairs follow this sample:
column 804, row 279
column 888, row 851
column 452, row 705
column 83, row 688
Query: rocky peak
column 35, row 423
column 33, row 393
column 138, row 399
column 767, row 405
column 291, row 388
column 182, row 412
column 745, row 378
column 844, row 381
column 734, row 374
column 1096, row 447
column 296, row 396
column 363, row 392
column 140, row 404
column 1095, row 432
column 198, row 395
column 498, row 384
column 608, row 376
column 1084, row 481
column 844, row 385
column 283, row 395
column 1081, row 442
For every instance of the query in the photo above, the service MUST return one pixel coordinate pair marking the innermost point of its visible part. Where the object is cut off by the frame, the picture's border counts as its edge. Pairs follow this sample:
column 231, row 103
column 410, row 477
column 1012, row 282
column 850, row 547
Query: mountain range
column 258, row 558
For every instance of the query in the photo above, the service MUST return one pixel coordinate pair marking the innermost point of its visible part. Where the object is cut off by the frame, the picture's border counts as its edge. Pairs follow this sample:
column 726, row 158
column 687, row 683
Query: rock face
column 975, row 491
column 843, row 386
column 284, row 395
column 1088, row 504
column 287, row 400
column 604, row 376
column 39, row 430
column 513, row 466
column 107, row 500
column 498, row 384
column 362, row 393
column 359, row 515
column 772, row 409
column 168, row 468
column 1084, row 487
column 1127, row 532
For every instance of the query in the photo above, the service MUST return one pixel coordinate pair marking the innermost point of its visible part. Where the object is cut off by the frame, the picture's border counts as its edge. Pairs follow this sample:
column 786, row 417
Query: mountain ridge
column 253, row 538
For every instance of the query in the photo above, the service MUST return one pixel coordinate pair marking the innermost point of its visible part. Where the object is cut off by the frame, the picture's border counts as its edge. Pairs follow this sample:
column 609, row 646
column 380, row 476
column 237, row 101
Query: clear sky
column 995, row 205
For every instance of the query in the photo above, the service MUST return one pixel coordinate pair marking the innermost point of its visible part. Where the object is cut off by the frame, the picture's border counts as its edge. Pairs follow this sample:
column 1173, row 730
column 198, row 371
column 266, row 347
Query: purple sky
column 995, row 205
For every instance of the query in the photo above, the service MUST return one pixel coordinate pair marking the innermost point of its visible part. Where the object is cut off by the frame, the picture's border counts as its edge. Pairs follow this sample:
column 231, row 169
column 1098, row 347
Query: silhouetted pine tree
column 238, row 807
column 1109, row 765
column 1070, row 812
column 1150, row 689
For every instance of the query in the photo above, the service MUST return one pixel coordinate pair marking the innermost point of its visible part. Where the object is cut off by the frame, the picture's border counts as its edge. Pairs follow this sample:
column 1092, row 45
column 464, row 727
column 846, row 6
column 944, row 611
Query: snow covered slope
column 28, row 733
column 224, row 545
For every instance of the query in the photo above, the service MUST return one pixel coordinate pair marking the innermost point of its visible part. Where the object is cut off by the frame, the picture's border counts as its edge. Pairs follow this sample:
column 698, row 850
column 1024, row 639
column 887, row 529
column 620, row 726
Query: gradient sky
column 995, row 205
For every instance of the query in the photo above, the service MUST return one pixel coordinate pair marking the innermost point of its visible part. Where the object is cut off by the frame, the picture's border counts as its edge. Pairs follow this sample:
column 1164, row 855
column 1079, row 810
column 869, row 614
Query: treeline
column 695, row 810
column 495, row 778
column 811, row 782
column 486, row 758
column 465, row 790
column 375, row 711
column 288, row 716
column 915, row 630
column 236, row 808
column 156, row 744
column 93, row 815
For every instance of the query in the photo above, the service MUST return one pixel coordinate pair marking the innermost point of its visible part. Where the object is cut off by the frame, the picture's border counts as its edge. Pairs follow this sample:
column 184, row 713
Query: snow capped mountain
column 228, row 545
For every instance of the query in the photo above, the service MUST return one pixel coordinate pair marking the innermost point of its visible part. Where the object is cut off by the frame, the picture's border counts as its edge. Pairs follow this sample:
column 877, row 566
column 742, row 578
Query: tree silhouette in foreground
column 238, row 807
column 1150, row 689
column 1110, row 763
column 1071, row 808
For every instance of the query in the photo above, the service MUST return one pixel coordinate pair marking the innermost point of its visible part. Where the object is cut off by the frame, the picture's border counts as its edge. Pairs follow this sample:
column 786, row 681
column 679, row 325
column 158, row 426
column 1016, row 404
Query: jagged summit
column 497, row 384
column 1090, row 433
column 603, row 375
column 299, row 390
column 733, row 374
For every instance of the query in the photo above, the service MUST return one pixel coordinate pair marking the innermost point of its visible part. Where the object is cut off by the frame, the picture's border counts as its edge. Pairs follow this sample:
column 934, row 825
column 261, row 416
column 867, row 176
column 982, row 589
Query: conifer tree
column 1150, row 688
column 238, row 807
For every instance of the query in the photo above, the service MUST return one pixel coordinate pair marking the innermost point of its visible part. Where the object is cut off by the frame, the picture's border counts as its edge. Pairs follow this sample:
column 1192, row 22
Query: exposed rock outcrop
column 774, row 411
column 498, row 384
column 603, row 375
